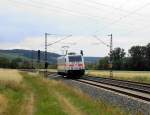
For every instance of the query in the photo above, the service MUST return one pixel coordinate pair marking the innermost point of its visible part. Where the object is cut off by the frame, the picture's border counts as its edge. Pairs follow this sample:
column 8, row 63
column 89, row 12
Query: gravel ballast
column 135, row 106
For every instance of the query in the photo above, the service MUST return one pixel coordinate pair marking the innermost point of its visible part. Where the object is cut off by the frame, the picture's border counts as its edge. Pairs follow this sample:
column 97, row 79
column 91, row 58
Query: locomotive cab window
column 75, row 58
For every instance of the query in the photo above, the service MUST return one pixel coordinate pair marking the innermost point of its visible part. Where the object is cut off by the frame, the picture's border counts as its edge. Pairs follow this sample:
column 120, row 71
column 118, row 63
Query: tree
column 148, row 56
column 16, row 63
column 103, row 63
column 118, row 55
column 91, row 66
column 138, row 57
column 4, row 62
column 26, row 64
column 126, row 64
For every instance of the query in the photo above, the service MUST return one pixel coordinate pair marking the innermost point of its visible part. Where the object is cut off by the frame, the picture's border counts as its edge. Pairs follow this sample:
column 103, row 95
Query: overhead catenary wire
column 108, row 6
column 129, row 14
column 138, row 28
column 80, row 14
column 97, row 17
column 117, row 9
column 90, row 4
column 84, row 13
column 134, row 12
column 101, row 41
column 48, row 8
column 87, row 14
column 59, row 40
column 97, row 3
column 52, row 10
column 57, row 8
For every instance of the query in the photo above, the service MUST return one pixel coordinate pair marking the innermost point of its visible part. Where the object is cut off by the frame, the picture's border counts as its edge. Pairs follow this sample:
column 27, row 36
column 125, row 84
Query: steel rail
column 136, row 86
column 147, row 84
column 124, row 91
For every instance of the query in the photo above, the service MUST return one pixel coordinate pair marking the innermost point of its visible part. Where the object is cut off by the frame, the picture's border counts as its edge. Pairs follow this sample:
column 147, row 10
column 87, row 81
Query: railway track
column 133, row 89
column 136, row 86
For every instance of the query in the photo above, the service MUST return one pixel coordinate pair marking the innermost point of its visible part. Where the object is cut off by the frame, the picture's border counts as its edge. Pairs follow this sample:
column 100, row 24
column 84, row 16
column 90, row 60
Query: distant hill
column 27, row 55
column 91, row 60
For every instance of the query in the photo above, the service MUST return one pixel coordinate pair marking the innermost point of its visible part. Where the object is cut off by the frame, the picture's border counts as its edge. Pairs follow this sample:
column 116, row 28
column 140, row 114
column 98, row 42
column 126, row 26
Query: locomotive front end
column 76, row 65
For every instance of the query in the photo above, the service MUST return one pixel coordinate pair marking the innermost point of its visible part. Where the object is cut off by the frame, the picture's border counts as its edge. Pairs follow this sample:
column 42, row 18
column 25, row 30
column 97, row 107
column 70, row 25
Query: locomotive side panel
column 61, row 65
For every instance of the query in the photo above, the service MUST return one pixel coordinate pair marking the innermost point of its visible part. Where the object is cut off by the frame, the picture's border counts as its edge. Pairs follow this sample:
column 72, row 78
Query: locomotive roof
column 63, row 56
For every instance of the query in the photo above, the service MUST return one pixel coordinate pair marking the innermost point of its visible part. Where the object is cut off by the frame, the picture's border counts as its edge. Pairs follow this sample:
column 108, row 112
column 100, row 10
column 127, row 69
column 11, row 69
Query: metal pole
column 110, row 54
column 38, row 59
column 32, row 59
column 46, row 45
column 46, row 54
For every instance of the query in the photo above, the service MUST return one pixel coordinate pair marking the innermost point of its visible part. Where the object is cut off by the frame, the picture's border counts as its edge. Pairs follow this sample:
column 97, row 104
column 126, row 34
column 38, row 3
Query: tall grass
column 46, row 102
column 12, row 89
column 10, row 75
column 31, row 94
column 63, row 99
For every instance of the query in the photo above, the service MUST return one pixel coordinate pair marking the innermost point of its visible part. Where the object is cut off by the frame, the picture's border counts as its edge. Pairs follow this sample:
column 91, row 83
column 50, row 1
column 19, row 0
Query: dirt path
column 30, row 105
column 27, row 107
column 3, row 104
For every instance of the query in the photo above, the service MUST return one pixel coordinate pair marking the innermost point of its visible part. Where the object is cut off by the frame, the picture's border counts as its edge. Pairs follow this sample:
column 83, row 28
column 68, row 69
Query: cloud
column 23, row 23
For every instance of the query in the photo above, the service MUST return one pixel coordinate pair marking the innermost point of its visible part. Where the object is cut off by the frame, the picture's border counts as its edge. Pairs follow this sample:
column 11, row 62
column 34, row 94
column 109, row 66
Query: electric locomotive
column 71, row 65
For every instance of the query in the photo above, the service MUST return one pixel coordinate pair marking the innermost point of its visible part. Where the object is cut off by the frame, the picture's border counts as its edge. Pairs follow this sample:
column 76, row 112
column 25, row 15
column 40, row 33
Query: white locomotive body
column 71, row 65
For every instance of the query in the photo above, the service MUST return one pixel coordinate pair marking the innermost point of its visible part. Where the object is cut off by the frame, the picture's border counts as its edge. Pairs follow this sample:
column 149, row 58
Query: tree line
column 138, row 59
column 16, row 63
column 20, row 63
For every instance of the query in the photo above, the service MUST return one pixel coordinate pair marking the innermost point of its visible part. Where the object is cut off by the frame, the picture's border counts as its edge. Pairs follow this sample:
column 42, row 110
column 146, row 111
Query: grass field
column 30, row 94
column 10, row 75
column 140, row 76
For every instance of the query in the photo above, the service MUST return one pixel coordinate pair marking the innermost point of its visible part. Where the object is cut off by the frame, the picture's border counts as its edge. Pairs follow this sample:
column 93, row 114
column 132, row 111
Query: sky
column 24, row 22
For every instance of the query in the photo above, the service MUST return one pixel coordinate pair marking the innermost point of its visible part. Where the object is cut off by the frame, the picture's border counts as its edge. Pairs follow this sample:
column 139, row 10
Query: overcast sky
column 24, row 22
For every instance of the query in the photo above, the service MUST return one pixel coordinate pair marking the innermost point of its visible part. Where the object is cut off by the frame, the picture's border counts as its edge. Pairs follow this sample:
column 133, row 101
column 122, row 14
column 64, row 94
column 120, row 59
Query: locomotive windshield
column 75, row 58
